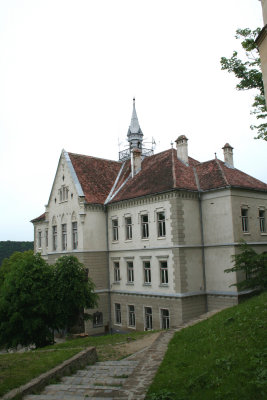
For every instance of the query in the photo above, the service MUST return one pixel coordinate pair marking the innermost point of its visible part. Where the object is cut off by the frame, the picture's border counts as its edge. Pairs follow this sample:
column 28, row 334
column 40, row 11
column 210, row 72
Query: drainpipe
column 203, row 250
column 109, row 288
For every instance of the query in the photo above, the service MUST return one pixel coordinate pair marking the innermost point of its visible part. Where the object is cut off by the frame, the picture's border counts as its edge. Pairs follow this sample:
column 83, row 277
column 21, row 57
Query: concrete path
column 127, row 379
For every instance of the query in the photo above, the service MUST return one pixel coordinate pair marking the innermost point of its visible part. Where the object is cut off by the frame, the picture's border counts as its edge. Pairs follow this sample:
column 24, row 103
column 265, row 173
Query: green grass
column 224, row 357
column 19, row 368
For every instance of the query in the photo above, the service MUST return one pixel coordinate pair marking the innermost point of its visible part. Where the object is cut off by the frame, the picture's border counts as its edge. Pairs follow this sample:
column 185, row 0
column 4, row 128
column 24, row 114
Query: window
column 46, row 238
column 147, row 272
column 128, row 227
column 63, row 193
column 144, row 226
column 117, row 313
column 97, row 319
column 131, row 316
column 165, row 319
column 130, row 272
column 115, row 230
column 39, row 239
column 163, row 272
column 64, row 236
column 54, row 237
column 148, row 318
column 262, row 221
column 161, row 224
column 74, row 235
column 244, row 217
column 116, row 271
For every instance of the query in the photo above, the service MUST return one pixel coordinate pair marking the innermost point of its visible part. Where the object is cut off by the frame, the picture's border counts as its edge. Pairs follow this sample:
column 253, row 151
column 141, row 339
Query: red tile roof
column 40, row 218
column 160, row 173
column 96, row 176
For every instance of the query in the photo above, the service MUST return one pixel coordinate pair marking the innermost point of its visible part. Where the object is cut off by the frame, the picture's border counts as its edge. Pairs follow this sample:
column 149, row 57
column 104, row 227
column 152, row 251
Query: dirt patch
column 118, row 351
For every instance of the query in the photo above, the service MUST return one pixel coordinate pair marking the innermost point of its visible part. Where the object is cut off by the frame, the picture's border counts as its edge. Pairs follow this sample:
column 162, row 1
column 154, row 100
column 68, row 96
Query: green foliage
column 73, row 291
column 249, row 75
column 25, row 301
column 36, row 298
column 7, row 248
column 253, row 266
column 224, row 357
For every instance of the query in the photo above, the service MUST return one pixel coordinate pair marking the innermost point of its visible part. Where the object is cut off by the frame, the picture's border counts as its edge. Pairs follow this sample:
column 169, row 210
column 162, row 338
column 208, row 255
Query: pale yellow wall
column 264, row 11
column 217, row 260
column 154, row 256
column 192, row 228
column 253, row 200
column 217, row 217
column 135, row 210
column 95, row 230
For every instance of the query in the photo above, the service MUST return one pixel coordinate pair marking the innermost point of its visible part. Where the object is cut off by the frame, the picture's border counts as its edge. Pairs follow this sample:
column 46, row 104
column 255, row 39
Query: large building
column 262, row 46
column 156, row 231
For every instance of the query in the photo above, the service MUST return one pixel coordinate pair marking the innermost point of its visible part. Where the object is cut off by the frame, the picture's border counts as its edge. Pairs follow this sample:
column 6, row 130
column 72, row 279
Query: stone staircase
column 102, row 380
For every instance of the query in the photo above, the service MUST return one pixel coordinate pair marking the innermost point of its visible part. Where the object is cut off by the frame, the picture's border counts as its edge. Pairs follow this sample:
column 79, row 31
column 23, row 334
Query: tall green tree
column 37, row 298
column 26, row 302
column 248, row 71
column 73, row 291
column 251, row 268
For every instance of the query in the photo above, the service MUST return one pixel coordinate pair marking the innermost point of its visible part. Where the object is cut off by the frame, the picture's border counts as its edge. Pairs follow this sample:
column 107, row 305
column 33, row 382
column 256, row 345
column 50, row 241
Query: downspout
column 203, row 250
column 202, row 241
column 109, row 292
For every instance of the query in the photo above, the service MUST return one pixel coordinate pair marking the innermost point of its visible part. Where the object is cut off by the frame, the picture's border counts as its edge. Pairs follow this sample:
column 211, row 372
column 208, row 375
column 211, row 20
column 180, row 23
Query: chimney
column 136, row 161
column 182, row 149
column 228, row 155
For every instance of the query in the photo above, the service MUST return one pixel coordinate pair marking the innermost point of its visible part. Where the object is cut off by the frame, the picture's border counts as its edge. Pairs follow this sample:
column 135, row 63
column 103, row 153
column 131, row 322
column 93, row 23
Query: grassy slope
column 224, row 357
column 19, row 368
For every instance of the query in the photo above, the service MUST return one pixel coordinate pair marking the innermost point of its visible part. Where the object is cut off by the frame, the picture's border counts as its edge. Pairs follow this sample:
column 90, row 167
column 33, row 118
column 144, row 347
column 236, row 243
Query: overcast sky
column 68, row 73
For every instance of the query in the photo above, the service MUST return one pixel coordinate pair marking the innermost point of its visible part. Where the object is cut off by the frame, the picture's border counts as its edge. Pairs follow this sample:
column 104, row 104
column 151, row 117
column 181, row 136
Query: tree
column 26, row 312
column 37, row 298
column 250, row 76
column 73, row 291
column 254, row 268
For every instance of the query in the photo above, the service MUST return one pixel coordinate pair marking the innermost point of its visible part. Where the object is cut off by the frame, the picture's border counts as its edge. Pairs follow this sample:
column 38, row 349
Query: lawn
column 19, row 368
column 224, row 357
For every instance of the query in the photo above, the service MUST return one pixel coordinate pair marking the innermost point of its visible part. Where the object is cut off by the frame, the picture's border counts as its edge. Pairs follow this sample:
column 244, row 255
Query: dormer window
column 63, row 193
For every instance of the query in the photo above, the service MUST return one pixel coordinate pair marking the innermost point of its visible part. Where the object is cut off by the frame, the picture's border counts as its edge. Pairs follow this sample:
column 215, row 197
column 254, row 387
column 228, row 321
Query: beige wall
column 253, row 201
column 217, row 217
column 264, row 11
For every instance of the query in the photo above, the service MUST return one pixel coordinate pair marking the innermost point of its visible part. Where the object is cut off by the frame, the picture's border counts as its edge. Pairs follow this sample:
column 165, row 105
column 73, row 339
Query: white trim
column 181, row 295
column 73, row 174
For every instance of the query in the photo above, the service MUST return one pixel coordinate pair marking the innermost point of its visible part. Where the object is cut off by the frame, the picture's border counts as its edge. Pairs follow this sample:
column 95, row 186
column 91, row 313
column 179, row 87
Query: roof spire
column 135, row 134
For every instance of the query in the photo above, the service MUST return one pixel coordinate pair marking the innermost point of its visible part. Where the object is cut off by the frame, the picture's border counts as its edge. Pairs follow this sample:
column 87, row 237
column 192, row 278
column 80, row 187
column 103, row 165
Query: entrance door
column 148, row 318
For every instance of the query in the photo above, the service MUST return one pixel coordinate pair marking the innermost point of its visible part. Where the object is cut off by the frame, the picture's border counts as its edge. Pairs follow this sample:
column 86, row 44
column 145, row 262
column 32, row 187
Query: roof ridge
column 222, row 171
column 97, row 158
column 196, row 178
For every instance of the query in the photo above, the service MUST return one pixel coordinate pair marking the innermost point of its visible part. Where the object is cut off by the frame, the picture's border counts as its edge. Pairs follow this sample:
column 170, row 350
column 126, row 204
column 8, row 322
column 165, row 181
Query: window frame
column 74, row 235
column 164, row 319
column 39, row 239
column 64, row 237
column 115, row 230
column 164, row 274
column 148, row 318
column 144, row 226
column 161, row 224
column 46, row 238
column 97, row 324
column 130, row 272
column 117, row 309
column 54, row 235
column 131, row 316
column 244, row 220
column 262, row 220
column 128, row 228
column 147, row 272
column 116, row 270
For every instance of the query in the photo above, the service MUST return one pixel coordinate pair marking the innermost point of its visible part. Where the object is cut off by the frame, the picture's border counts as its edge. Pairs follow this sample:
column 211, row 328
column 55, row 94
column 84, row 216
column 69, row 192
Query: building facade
column 156, row 231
